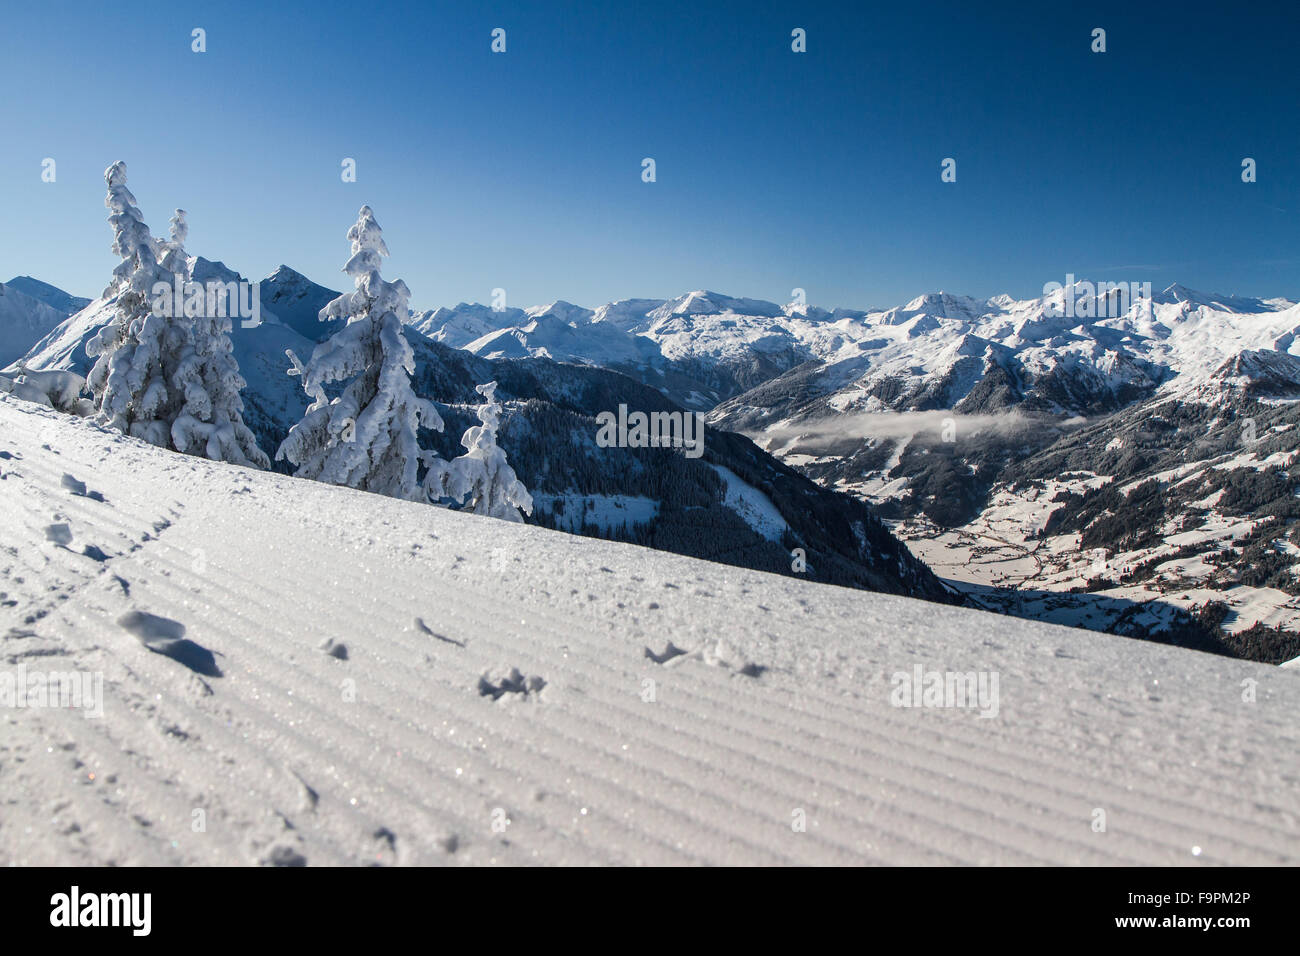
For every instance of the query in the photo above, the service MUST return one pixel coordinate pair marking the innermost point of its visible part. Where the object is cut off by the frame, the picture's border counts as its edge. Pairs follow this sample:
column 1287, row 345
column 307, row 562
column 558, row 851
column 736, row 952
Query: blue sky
column 775, row 170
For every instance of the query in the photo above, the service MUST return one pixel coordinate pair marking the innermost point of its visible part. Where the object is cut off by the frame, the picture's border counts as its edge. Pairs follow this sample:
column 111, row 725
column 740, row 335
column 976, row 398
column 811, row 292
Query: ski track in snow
column 497, row 673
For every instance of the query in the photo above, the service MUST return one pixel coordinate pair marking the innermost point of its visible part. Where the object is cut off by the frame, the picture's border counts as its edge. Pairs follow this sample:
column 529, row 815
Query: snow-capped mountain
column 566, row 333
column 1040, row 356
column 699, row 348
column 52, row 296
column 928, row 404
column 1001, row 433
column 782, row 372
column 296, row 301
column 28, row 312
column 465, row 323
column 735, row 505
column 1075, row 351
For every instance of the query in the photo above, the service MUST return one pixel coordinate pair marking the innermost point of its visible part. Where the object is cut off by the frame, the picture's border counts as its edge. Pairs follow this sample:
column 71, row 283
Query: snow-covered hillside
column 23, row 320
column 52, row 296
column 324, row 676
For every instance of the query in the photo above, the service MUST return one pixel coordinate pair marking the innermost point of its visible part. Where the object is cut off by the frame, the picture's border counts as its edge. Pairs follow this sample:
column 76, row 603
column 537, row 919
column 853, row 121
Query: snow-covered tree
column 136, row 353
column 481, row 478
column 171, row 253
column 211, row 418
column 366, row 438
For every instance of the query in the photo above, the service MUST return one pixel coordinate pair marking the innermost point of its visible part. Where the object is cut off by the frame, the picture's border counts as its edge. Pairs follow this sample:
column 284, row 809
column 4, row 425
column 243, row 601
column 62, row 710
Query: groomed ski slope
column 412, row 743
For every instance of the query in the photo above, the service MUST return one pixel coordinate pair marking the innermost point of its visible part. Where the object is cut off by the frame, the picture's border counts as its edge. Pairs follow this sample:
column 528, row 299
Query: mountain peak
column 566, row 312
column 286, row 274
column 52, row 296
column 704, row 302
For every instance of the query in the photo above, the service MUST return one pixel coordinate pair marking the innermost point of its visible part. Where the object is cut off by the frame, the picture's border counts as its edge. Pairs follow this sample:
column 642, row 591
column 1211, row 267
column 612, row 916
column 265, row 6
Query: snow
column 23, row 320
column 494, row 672
column 296, row 301
column 752, row 505
column 52, row 296
column 553, row 336
column 457, row 327
column 999, row 559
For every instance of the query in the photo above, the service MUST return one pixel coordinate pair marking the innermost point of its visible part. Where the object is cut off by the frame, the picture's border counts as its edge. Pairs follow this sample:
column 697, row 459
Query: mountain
column 52, row 296
column 26, row 317
column 416, row 670
column 1132, row 472
column 1038, row 356
column 296, row 302
column 566, row 336
column 465, row 323
column 735, row 504
column 1177, row 518
column 698, row 349
column 884, row 416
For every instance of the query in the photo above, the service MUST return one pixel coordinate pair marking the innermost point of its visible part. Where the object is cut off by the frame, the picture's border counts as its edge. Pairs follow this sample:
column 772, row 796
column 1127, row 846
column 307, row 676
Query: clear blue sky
column 775, row 169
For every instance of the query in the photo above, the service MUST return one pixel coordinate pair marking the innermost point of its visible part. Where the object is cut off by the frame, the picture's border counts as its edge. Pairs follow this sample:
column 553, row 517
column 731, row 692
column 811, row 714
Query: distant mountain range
column 996, row 434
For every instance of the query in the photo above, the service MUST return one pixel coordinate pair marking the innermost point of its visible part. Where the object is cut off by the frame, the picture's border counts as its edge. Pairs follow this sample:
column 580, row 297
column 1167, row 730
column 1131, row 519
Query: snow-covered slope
column 23, row 321
column 296, row 301
column 51, row 295
column 465, row 323
column 324, row 676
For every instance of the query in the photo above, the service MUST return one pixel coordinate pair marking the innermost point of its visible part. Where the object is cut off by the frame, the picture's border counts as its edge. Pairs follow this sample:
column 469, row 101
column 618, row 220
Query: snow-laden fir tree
column 366, row 438
column 171, row 252
column 211, row 419
column 481, row 478
column 136, row 353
